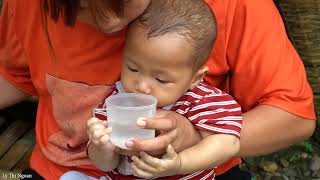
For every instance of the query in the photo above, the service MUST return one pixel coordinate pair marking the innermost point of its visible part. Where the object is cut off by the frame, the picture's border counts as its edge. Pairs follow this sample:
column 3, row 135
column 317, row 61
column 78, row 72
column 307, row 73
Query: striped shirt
column 208, row 109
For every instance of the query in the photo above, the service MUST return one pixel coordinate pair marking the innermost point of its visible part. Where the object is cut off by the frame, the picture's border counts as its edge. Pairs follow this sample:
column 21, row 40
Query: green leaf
column 308, row 147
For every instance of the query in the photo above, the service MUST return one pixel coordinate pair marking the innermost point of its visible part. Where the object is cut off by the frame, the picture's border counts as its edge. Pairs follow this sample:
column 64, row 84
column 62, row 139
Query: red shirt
column 253, row 60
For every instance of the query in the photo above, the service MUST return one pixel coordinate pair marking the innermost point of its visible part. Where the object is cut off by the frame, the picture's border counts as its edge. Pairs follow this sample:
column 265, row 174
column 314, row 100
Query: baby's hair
column 192, row 19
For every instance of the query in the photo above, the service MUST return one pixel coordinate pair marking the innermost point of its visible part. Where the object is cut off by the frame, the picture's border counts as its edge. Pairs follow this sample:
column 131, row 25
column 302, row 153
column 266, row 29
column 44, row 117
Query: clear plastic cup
column 123, row 110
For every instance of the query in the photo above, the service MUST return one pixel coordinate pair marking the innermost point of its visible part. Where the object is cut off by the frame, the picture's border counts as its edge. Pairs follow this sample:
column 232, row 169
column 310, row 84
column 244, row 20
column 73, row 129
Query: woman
column 68, row 52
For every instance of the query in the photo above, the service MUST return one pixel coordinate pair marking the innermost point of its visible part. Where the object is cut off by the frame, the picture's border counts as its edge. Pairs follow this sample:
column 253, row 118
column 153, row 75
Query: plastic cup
column 123, row 111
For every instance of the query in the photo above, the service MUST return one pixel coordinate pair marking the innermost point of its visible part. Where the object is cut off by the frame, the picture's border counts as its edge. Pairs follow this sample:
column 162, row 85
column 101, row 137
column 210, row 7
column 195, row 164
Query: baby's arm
column 213, row 150
column 218, row 116
column 100, row 150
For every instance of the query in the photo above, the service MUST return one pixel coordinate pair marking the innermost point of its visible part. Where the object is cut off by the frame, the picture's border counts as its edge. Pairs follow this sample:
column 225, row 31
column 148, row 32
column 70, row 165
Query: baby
column 165, row 56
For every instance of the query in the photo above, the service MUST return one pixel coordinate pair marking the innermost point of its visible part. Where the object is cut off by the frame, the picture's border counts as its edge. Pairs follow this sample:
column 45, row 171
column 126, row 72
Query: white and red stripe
column 207, row 108
column 210, row 109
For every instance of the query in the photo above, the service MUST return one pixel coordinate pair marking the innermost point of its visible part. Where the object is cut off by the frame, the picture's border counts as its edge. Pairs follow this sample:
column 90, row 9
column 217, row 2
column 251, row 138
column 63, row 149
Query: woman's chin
column 113, row 32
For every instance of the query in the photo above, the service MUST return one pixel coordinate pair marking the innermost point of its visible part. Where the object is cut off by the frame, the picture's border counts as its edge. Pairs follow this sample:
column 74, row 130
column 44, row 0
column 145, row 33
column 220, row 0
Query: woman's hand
column 174, row 129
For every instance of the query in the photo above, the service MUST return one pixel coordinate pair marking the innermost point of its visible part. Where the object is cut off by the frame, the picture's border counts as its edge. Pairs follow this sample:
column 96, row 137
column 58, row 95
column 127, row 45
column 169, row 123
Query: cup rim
column 131, row 95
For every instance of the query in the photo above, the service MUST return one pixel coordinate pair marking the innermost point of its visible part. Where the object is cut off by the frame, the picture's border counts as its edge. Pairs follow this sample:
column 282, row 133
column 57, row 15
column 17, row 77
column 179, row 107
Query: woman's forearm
column 266, row 129
column 10, row 94
column 104, row 159
column 188, row 136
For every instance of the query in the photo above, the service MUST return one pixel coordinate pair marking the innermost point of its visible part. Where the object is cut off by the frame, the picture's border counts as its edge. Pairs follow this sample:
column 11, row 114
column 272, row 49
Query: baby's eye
column 132, row 69
column 162, row 81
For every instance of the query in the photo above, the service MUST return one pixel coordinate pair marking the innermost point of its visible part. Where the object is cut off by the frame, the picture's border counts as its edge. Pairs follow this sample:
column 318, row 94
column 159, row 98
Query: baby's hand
column 98, row 133
column 150, row 167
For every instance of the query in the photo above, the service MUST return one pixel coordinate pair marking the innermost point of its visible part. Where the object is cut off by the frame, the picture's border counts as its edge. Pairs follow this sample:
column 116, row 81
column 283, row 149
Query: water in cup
column 123, row 132
column 123, row 110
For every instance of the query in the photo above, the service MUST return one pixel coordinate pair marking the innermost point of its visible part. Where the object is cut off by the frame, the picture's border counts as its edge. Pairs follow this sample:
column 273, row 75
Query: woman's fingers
column 157, row 145
column 166, row 123
column 154, row 146
column 126, row 152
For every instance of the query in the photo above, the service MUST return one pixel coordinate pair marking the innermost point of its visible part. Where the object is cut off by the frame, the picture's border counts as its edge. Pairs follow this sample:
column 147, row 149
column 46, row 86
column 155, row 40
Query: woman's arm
column 10, row 94
column 14, row 71
column 267, row 78
column 266, row 129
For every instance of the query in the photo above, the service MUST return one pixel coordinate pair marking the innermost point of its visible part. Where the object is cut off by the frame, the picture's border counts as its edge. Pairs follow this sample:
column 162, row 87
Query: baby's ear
column 198, row 76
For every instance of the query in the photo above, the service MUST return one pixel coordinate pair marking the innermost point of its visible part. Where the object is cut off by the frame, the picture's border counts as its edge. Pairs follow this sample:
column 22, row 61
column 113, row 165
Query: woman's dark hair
column 68, row 9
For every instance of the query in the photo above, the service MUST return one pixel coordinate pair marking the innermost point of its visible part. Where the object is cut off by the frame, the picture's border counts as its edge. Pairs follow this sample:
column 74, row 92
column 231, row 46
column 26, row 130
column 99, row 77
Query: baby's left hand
column 150, row 167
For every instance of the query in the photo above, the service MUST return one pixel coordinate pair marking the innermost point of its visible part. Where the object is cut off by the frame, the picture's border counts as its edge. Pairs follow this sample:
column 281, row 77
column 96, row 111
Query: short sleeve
column 13, row 60
column 264, row 66
column 100, row 111
column 217, row 113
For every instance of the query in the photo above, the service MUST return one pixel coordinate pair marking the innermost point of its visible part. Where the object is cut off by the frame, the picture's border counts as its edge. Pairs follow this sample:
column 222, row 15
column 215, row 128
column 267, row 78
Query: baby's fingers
column 104, row 139
column 100, row 136
column 152, row 161
column 170, row 153
column 93, row 121
column 139, row 163
column 140, row 172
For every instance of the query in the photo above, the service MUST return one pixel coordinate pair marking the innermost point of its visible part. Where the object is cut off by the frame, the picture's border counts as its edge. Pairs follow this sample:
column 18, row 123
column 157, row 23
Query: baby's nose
column 143, row 87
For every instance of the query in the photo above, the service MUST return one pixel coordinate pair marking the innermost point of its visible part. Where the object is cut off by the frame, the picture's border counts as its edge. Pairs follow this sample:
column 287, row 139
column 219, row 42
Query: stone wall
column 300, row 161
column 302, row 21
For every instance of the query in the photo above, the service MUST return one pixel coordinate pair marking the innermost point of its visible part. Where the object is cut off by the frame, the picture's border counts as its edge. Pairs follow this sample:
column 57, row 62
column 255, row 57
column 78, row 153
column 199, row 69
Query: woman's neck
column 84, row 3
column 85, row 14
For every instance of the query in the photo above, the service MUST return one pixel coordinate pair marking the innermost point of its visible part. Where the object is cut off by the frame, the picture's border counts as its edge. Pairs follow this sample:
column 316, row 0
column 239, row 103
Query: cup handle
column 100, row 113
